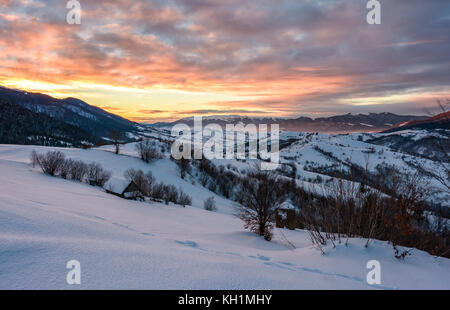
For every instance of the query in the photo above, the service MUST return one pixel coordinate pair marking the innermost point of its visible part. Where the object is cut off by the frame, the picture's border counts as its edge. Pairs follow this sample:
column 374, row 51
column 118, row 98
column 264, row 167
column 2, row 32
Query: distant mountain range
column 74, row 120
column 440, row 121
column 33, row 118
column 373, row 122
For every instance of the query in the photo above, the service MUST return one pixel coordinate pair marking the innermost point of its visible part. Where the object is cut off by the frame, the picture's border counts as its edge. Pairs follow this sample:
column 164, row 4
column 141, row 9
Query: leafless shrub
column 78, row 170
column 443, row 175
column 184, row 166
column 97, row 175
column 203, row 178
column 34, row 158
column 171, row 194
column 400, row 254
column 149, row 187
column 51, row 162
column 359, row 211
column 158, row 191
column 260, row 197
column 144, row 181
column 148, row 150
column 184, row 199
column 210, row 204
column 116, row 138
column 64, row 171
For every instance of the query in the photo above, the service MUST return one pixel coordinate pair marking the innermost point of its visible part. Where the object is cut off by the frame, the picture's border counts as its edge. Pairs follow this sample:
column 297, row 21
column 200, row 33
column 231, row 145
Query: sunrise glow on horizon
column 153, row 61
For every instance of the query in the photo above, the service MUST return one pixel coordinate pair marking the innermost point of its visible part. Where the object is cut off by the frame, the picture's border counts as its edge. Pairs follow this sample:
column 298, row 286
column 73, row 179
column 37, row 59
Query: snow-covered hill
column 75, row 112
column 315, row 154
column 45, row 222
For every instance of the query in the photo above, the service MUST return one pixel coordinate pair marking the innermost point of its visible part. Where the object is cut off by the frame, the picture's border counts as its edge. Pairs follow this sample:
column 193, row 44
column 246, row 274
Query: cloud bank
column 179, row 57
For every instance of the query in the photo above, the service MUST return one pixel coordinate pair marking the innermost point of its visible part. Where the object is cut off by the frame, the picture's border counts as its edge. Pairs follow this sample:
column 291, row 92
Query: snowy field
column 45, row 222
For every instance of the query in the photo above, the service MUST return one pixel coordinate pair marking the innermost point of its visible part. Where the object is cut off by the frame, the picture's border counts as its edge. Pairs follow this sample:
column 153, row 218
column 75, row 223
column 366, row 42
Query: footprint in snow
column 279, row 266
column 123, row 226
column 260, row 257
column 191, row 244
column 188, row 243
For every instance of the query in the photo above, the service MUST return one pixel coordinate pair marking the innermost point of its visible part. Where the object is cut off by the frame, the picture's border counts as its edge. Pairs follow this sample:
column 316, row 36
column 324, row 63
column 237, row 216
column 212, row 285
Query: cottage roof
column 117, row 185
column 287, row 205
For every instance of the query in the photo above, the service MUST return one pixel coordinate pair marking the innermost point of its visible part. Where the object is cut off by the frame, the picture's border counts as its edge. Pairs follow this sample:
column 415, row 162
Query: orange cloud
column 180, row 57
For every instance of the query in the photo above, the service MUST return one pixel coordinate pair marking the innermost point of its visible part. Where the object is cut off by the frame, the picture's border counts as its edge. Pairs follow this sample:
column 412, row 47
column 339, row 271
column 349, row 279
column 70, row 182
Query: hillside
column 71, row 111
column 45, row 222
column 321, row 159
column 439, row 121
column 19, row 125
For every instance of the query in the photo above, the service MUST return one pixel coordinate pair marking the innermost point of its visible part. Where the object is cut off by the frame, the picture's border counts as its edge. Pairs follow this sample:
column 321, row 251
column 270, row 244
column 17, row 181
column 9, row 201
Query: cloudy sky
column 164, row 59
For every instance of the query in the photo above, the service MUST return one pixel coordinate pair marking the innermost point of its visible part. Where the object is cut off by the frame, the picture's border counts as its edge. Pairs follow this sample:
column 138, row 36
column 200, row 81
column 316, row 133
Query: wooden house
column 123, row 188
column 286, row 215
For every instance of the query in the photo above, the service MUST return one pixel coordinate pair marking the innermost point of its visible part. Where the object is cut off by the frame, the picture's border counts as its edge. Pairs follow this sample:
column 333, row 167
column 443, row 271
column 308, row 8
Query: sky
column 159, row 60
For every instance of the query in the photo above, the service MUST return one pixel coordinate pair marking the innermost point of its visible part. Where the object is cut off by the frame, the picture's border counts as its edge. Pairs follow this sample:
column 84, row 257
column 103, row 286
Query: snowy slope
column 45, row 222
column 351, row 148
column 164, row 170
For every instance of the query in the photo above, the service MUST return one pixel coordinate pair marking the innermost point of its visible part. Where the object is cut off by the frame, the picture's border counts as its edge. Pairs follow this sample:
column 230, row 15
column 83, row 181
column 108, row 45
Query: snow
column 287, row 205
column 116, row 185
column 164, row 170
column 121, row 244
column 347, row 148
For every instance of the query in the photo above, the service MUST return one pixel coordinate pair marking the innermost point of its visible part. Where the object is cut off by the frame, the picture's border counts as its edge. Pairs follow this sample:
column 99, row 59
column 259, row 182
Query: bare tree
column 171, row 194
column 51, row 162
column 183, row 198
column 34, row 158
column 144, row 181
column 443, row 175
column 78, row 170
column 97, row 175
column 64, row 170
column 147, row 150
column 116, row 138
column 184, row 166
column 260, row 198
column 210, row 204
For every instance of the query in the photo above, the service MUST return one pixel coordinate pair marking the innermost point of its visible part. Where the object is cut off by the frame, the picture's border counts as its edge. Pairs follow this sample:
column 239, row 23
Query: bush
column 64, row 170
column 97, row 175
column 51, row 162
column 148, row 151
column 171, row 194
column 184, row 199
column 217, row 180
column 168, row 193
column 356, row 210
column 144, row 181
column 78, row 170
column 210, row 204
column 260, row 195
column 184, row 166
column 34, row 158
column 158, row 191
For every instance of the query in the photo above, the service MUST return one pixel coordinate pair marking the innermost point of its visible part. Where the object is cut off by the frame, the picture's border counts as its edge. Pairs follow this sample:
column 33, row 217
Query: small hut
column 123, row 188
column 285, row 216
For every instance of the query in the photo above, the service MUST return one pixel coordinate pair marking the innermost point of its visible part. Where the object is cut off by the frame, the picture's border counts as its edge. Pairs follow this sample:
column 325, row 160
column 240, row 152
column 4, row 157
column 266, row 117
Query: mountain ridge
column 439, row 121
column 345, row 123
column 70, row 110
column 92, row 122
